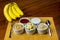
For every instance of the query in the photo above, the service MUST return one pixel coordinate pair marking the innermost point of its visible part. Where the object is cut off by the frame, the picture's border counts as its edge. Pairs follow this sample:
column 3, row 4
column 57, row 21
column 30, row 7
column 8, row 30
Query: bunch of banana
column 12, row 11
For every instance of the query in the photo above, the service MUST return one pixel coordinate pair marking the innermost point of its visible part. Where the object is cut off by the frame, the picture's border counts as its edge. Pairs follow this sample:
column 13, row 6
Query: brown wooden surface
column 37, row 8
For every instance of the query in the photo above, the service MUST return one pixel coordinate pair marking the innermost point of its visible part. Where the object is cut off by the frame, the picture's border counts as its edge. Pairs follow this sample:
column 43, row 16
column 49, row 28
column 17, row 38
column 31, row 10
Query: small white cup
column 42, row 31
column 24, row 18
column 35, row 20
column 19, row 31
column 30, row 31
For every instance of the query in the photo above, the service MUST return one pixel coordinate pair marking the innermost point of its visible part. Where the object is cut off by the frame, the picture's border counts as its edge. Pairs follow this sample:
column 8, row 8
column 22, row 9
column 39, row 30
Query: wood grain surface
column 33, row 8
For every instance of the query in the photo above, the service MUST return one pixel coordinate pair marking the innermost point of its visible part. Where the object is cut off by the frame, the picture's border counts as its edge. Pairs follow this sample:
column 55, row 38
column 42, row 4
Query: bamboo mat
column 36, row 36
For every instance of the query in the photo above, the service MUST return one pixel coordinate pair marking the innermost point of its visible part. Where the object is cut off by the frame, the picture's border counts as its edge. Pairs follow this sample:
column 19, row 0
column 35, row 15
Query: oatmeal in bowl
column 42, row 28
column 30, row 28
column 18, row 28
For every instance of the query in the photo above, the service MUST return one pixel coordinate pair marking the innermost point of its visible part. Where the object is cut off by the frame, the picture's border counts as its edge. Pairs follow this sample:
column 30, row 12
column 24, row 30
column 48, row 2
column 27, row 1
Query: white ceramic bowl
column 42, row 31
column 24, row 18
column 19, row 31
column 35, row 20
column 30, row 31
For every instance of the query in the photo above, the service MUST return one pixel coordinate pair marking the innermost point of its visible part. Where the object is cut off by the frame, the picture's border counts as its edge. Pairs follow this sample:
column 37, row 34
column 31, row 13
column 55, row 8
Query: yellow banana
column 6, row 8
column 18, row 9
column 11, row 13
column 15, row 12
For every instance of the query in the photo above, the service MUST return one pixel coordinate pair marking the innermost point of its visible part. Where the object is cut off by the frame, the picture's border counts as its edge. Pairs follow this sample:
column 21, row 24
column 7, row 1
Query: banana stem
column 12, row 22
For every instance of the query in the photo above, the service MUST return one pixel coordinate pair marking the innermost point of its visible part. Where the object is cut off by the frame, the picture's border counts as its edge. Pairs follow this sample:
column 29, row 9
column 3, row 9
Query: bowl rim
column 32, row 29
column 24, row 18
column 36, row 18
column 19, row 24
column 43, row 29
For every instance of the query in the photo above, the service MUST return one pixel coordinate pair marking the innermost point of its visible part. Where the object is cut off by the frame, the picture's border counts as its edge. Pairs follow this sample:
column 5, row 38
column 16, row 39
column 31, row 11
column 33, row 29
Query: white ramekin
column 35, row 20
column 42, row 31
column 30, row 31
column 24, row 18
column 18, row 31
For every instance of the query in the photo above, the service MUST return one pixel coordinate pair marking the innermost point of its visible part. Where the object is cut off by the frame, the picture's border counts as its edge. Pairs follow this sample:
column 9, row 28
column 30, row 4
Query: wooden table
column 33, row 8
